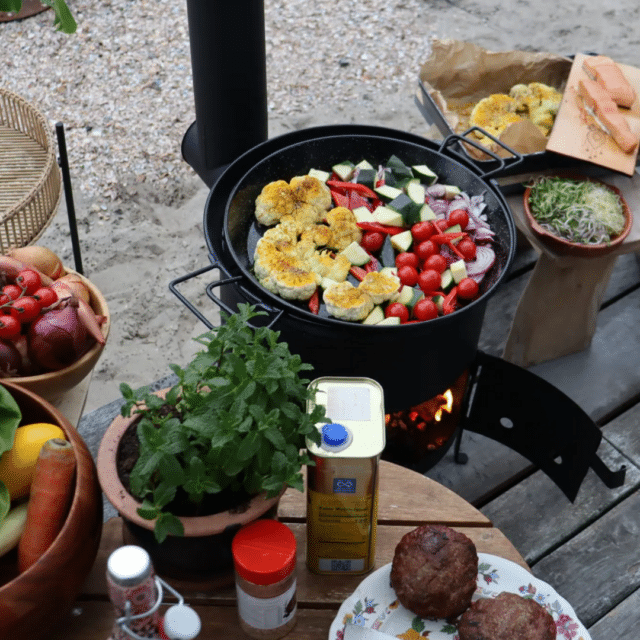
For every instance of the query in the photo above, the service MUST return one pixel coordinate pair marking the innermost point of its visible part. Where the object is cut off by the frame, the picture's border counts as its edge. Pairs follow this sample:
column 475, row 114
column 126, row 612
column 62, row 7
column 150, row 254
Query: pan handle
column 228, row 279
column 454, row 137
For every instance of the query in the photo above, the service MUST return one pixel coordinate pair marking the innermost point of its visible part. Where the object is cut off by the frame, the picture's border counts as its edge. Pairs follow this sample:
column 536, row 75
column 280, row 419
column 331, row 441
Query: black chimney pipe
column 229, row 68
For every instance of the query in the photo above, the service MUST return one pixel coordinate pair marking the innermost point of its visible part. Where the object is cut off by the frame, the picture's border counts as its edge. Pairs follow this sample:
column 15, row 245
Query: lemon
column 18, row 464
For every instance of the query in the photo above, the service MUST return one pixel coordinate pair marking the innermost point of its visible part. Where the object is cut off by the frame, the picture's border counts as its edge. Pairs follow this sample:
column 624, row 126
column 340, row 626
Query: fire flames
column 422, row 415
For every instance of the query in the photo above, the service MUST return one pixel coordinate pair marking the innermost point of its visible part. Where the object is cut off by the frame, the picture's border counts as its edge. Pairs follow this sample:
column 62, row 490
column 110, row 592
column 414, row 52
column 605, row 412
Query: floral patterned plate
column 374, row 604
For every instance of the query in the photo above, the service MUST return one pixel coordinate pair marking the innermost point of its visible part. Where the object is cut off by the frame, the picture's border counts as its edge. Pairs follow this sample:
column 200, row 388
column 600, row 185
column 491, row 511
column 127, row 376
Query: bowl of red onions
column 62, row 324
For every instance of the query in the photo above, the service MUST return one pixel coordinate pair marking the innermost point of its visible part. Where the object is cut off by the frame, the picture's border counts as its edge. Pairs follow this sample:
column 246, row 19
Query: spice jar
column 130, row 579
column 264, row 557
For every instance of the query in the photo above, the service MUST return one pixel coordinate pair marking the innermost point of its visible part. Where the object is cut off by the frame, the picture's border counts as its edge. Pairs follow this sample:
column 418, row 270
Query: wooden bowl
column 53, row 384
column 563, row 247
column 31, row 603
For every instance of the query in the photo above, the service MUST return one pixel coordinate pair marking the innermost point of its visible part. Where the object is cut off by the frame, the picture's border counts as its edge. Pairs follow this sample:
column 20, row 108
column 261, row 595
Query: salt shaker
column 180, row 622
column 130, row 578
column 264, row 556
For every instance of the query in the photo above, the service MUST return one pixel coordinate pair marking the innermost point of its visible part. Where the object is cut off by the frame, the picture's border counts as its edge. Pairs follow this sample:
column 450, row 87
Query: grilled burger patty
column 434, row 571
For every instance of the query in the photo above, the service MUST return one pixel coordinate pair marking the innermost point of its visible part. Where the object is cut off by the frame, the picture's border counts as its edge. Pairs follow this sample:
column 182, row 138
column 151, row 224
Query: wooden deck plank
column 599, row 567
column 623, row 433
column 621, row 623
column 546, row 517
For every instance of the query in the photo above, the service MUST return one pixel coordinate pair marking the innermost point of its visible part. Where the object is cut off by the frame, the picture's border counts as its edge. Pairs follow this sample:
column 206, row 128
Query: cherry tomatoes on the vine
column 25, row 309
column 458, row 216
column 12, row 291
column 467, row 289
column 29, row 280
column 397, row 309
column 9, row 328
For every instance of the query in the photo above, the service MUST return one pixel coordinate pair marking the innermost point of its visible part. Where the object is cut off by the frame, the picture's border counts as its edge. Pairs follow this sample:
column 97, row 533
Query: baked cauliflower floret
column 346, row 302
column 311, row 191
column 274, row 202
column 344, row 228
column 380, row 287
column 328, row 266
column 494, row 114
column 319, row 234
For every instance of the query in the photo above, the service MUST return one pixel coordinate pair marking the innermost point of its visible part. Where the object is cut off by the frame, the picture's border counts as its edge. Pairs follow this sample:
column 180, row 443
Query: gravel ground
column 122, row 87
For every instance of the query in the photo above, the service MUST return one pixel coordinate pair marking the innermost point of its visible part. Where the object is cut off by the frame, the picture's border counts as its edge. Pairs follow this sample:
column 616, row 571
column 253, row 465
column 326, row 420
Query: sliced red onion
column 461, row 201
column 380, row 174
column 485, row 259
column 438, row 206
column 436, row 191
column 483, row 233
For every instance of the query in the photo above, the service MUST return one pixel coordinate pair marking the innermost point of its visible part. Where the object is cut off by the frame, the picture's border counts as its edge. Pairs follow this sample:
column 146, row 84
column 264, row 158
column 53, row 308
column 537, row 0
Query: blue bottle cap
column 334, row 435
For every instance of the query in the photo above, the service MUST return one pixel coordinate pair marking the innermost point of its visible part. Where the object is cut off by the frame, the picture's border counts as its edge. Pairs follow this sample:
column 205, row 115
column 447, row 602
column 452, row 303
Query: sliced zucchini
column 363, row 214
column 366, row 177
column 458, row 270
column 426, row 213
column 355, row 254
column 424, row 173
column 456, row 228
column 402, row 241
column 451, row 191
column 376, row 316
column 416, row 192
column 398, row 167
column 405, row 206
column 389, row 271
column 388, row 193
column 364, row 164
column 446, row 280
column 325, row 283
column 384, row 215
column 323, row 176
column 404, row 295
column 344, row 170
column 439, row 300
column 391, row 320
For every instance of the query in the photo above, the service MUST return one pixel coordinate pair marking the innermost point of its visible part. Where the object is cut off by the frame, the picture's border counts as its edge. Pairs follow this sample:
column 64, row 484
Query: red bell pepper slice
column 442, row 238
column 372, row 265
column 353, row 186
column 356, row 200
column 382, row 228
column 340, row 199
column 314, row 302
column 358, row 272
column 450, row 301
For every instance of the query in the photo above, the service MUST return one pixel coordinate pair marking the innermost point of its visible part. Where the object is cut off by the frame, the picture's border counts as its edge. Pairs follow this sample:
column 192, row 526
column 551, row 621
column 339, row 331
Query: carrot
column 51, row 492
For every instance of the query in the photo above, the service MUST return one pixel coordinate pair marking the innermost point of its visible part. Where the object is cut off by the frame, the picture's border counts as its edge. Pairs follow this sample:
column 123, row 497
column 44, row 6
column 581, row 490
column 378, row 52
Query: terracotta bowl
column 563, row 247
column 53, row 384
column 205, row 550
column 31, row 603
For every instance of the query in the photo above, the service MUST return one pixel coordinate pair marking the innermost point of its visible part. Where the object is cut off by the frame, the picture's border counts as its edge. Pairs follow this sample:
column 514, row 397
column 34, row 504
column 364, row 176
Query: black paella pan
column 433, row 353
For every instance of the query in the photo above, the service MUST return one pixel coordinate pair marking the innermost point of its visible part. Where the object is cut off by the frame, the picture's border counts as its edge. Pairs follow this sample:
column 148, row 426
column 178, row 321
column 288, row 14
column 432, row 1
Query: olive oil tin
column 342, row 486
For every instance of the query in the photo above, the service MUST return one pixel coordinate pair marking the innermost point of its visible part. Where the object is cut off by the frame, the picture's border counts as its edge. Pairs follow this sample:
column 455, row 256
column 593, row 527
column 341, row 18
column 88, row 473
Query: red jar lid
column 264, row 552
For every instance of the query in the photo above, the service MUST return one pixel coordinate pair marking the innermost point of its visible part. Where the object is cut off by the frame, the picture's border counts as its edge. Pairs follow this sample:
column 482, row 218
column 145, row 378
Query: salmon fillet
column 610, row 77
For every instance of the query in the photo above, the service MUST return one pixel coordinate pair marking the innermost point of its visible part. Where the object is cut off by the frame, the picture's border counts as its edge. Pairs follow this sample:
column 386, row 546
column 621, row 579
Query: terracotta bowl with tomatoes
column 33, row 602
column 50, row 385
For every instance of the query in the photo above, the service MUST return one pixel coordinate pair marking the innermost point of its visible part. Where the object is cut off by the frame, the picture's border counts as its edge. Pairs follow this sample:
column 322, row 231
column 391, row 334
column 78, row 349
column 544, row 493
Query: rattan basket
column 30, row 179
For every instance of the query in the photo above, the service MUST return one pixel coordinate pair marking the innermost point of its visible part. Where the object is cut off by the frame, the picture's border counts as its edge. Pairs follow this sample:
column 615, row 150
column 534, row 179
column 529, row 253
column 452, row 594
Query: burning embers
column 419, row 436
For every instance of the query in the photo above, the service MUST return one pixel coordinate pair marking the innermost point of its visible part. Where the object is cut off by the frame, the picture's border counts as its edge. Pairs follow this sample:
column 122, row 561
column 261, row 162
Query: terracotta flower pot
column 33, row 602
column 205, row 549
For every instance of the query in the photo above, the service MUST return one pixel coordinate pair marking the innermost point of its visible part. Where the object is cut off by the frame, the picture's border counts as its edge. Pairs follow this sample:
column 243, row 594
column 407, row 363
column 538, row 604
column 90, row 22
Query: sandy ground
column 135, row 244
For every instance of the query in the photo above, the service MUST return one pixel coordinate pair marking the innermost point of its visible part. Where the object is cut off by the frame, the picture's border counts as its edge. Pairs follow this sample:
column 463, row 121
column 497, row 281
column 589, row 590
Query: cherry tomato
column 426, row 248
column 429, row 280
column 408, row 275
column 458, row 216
column 45, row 296
column 29, row 280
column 467, row 289
column 372, row 241
column 25, row 309
column 407, row 259
column 9, row 328
column 4, row 298
column 13, row 291
column 425, row 309
column 397, row 309
column 422, row 231
column 436, row 261
column 467, row 248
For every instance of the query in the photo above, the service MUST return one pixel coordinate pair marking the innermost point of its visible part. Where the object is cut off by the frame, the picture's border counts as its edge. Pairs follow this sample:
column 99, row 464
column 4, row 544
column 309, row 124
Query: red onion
column 10, row 359
column 485, row 258
column 57, row 338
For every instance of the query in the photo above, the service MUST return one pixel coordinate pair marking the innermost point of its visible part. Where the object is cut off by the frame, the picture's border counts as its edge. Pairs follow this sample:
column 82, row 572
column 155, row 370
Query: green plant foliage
column 63, row 20
column 236, row 420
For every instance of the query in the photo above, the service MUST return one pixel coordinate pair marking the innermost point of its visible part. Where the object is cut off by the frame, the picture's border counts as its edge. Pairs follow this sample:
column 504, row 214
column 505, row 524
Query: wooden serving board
column 576, row 133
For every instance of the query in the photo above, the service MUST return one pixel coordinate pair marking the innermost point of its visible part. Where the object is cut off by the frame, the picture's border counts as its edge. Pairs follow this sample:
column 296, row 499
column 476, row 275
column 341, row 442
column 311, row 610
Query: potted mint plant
column 214, row 451
column 63, row 20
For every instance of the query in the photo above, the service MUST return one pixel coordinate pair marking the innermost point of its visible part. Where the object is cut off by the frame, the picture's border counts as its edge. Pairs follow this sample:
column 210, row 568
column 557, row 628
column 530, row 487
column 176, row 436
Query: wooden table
column 407, row 499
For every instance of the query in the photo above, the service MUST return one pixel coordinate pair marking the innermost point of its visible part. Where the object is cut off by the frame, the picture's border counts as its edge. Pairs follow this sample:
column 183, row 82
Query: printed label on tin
column 342, row 519
column 344, row 485
column 267, row 613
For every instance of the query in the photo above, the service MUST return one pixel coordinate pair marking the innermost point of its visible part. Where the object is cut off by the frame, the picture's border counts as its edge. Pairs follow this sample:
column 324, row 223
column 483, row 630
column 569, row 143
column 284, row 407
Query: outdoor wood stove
column 428, row 414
